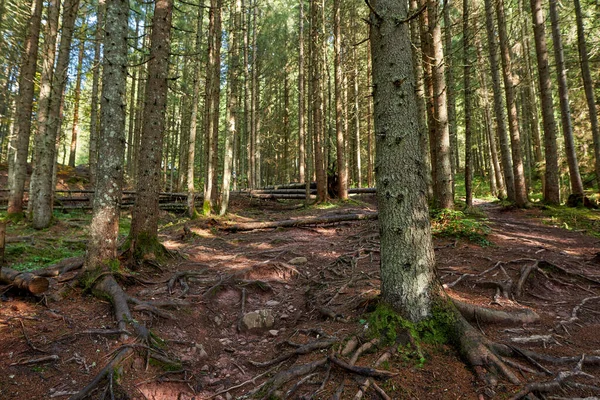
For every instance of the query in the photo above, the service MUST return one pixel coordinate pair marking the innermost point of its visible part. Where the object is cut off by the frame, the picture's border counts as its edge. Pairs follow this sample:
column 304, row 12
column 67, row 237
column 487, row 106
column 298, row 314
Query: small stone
column 228, row 396
column 218, row 320
column 272, row 303
column 298, row 261
column 201, row 352
column 260, row 319
column 225, row 341
column 284, row 316
column 274, row 332
column 204, row 368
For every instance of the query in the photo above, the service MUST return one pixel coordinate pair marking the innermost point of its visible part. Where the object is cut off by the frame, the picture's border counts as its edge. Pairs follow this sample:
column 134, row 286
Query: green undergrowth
column 460, row 225
column 390, row 327
column 28, row 249
column 481, row 187
column 573, row 219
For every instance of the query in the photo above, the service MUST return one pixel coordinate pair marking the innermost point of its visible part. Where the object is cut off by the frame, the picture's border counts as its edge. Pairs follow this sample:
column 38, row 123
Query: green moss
column 166, row 366
column 206, row 208
column 576, row 219
column 386, row 323
column 147, row 246
column 460, row 225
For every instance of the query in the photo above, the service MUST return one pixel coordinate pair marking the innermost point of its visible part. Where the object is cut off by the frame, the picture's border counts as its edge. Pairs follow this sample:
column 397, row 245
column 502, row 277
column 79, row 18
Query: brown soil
column 53, row 326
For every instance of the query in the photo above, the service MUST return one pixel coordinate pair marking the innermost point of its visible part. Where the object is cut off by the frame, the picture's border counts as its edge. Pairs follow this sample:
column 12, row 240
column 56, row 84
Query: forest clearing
column 299, row 199
column 318, row 284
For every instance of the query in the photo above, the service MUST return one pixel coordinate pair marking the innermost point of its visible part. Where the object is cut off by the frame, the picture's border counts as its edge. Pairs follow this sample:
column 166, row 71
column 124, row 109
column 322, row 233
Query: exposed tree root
column 304, row 349
column 106, row 372
column 488, row 315
column 557, row 383
column 479, row 353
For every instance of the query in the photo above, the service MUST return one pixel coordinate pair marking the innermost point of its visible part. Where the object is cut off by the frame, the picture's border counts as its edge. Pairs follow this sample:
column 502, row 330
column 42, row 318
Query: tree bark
column 511, row 104
column 191, row 207
column 509, row 178
column 454, row 157
column 407, row 259
column 301, row 105
column 565, row 109
column 232, row 97
column 443, row 193
column 466, row 42
column 339, row 129
column 17, row 162
column 75, row 130
column 94, row 125
column 144, row 224
column 318, row 108
column 551, row 188
column 42, row 180
column 588, row 85
column 104, row 228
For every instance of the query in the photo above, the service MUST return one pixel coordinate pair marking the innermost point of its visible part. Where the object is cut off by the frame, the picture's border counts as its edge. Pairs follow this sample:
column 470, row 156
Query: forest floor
column 295, row 273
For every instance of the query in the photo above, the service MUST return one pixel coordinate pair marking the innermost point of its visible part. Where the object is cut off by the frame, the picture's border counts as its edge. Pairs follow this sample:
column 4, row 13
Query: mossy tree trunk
column 42, row 180
column 407, row 259
column 104, row 228
column 144, row 225
column 339, row 127
column 19, row 144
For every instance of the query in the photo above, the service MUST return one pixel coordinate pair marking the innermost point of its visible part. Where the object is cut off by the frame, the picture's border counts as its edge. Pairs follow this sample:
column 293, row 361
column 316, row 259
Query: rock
column 260, row 319
column 228, row 396
column 298, row 261
column 225, row 341
column 202, row 354
column 204, row 368
column 284, row 316
column 274, row 332
column 272, row 303
column 218, row 320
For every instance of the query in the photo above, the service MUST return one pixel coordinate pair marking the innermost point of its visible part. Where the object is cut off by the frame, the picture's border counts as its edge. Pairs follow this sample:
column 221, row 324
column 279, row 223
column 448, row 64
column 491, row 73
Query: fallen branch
column 38, row 360
column 304, row 349
column 289, row 223
column 364, row 371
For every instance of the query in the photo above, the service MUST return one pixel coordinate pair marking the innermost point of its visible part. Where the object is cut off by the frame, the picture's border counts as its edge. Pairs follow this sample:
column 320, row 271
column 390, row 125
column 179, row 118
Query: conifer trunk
column 551, row 188
column 19, row 144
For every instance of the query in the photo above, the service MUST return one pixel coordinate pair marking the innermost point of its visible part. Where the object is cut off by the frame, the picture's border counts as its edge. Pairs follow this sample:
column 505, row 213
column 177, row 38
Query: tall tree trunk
column 256, row 139
column 43, row 174
column 407, row 262
column 356, row 119
column 132, row 108
column 94, row 123
column 454, row 156
column 427, row 61
column 502, row 134
column 143, row 235
column 511, row 104
column 499, row 186
column 194, row 115
column 551, row 188
column 44, row 96
column 370, row 150
column 318, row 109
column 466, row 42
column 588, row 85
column 565, row 109
column 417, row 58
column 443, row 189
column 301, row 105
column 232, row 97
column 17, row 162
column 211, row 116
column 75, row 130
column 340, row 140
column 104, row 228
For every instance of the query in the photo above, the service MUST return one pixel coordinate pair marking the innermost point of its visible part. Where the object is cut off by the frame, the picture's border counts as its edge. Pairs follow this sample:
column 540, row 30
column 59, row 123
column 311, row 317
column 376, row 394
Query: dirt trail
column 316, row 282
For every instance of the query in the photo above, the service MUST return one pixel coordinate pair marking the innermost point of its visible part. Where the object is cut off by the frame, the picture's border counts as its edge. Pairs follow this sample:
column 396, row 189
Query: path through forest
column 315, row 284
